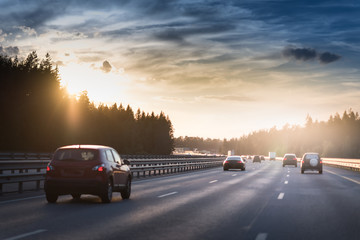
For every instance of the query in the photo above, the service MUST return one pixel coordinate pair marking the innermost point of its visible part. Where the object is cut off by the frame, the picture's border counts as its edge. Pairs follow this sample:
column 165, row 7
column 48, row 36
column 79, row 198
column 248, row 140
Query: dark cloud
column 9, row 51
column 106, row 67
column 308, row 54
column 301, row 54
column 327, row 57
column 179, row 34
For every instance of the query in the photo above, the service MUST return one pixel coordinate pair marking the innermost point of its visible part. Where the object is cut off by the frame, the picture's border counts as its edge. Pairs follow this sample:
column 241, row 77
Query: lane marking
column 26, row 234
column 286, row 182
column 288, row 175
column 281, row 196
column 214, row 181
column 21, row 199
column 234, row 175
column 261, row 236
column 167, row 194
column 349, row 179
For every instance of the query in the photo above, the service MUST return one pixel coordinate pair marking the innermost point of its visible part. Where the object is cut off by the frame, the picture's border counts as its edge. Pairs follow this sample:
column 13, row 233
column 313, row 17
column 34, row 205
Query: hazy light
column 101, row 87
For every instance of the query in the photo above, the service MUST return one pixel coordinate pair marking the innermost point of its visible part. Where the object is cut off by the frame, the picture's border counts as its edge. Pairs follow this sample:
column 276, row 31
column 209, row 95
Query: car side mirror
column 127, row 162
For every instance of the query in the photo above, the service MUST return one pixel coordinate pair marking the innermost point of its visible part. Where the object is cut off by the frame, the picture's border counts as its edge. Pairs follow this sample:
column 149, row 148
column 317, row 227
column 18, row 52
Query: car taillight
column 302, row 161
column 49, row 168
column 99, row 168
column 285, row 159
column 320, row 161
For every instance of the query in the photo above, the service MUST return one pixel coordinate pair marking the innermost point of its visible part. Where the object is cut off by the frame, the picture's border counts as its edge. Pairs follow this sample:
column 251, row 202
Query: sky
column 218, row 69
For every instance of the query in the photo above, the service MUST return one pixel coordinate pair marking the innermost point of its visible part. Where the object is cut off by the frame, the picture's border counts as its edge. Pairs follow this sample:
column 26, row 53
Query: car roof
column 84, row 146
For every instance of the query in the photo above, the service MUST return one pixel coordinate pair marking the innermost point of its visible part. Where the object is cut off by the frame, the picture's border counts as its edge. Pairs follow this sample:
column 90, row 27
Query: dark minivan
column 87, row 169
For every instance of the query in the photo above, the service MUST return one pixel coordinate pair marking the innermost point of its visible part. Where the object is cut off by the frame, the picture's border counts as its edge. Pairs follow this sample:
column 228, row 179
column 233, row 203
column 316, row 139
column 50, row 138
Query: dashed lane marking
column 234, row 175
column 281, row 196
column 214, row 181
column 167, row 194
column 26, row 234
column 261, row 236
column 286, row 182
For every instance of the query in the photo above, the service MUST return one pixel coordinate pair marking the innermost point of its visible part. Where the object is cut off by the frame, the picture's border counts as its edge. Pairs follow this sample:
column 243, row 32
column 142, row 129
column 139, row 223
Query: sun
column 101, row 87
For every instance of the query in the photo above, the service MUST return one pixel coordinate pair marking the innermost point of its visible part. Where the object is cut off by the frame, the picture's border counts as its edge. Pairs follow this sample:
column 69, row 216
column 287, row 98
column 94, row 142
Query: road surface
column 266, row 201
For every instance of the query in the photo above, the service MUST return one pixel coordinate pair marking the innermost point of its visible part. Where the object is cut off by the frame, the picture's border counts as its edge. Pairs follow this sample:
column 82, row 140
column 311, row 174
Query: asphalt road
column 266, row 201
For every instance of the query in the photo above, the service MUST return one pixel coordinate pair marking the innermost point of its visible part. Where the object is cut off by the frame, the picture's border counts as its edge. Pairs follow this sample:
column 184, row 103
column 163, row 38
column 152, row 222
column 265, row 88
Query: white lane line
column 26, row 234
column 21, row 199
column 286, row 182
column 168, row 194
column 349, row 179
column 281, row 196
column 288, row 175
column 261, row 236
column 234, row 175
column 214, row 181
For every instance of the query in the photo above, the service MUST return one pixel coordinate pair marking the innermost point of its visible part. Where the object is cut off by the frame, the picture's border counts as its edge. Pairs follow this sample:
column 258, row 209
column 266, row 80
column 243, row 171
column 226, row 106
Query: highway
column 264, row 202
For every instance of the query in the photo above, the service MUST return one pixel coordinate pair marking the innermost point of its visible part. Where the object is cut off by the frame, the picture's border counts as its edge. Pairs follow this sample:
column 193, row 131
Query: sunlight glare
column 106, row 88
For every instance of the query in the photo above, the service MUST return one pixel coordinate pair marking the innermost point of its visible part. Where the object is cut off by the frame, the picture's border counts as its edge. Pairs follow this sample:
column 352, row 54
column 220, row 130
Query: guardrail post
column 20, row 187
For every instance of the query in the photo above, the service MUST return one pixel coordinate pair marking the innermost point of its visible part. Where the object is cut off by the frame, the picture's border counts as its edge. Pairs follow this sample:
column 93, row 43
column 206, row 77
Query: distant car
column 289, row 159
column 257, row 159
column 249, row 157
column 87, row 169
column 244, row 157
column 234, row 162
column 311, row 161
column 262, row 158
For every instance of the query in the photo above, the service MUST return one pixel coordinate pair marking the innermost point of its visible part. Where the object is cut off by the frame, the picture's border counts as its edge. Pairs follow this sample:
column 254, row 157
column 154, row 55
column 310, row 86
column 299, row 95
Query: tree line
column 38, row 115
column 338, row 137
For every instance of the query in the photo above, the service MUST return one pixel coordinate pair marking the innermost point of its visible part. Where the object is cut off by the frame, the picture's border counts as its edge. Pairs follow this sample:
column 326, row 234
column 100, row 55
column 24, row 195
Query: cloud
column 301, row 54
column 327, row 57
column 29, row 31
column 106, row 67
column 309, row 54
column 235, row 98
column 9, row 51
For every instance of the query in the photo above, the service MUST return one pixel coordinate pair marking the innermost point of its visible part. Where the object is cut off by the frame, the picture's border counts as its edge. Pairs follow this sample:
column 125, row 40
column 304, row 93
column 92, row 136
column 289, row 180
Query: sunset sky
column 219, row 69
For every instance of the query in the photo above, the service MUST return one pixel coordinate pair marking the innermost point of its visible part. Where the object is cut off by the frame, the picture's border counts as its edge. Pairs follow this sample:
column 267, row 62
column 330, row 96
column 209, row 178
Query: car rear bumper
column 290, row 162
column 62, row 186
column 309, row 167
column 234, row 166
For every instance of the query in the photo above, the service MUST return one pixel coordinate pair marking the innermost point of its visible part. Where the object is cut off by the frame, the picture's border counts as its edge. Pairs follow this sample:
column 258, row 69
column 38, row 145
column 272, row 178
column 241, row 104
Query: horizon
column 217, row 69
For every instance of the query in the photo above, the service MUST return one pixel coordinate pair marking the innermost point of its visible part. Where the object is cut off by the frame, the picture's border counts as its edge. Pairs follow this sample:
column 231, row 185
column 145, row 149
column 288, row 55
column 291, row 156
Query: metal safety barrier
column 20, row 168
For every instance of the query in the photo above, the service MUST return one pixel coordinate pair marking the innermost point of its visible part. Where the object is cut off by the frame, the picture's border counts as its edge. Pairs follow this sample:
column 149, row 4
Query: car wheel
column 125, row 194
column 51, row 198
column 76, row 196
column 283, row 165
column 225, row 169
column 243, row 169
column 295, row 165
column 320, row 171
column 302, row 171
column 107, row 195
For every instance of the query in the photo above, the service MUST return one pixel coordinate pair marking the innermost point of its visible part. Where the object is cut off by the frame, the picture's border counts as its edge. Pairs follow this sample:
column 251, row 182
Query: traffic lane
column 314, row 206
column 194, row 214
column 76, row 217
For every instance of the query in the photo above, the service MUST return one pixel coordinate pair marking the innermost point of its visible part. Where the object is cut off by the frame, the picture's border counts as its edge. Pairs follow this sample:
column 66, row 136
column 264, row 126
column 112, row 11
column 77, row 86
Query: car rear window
column 233, row 158
column 312, row 156
column 75, row 154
